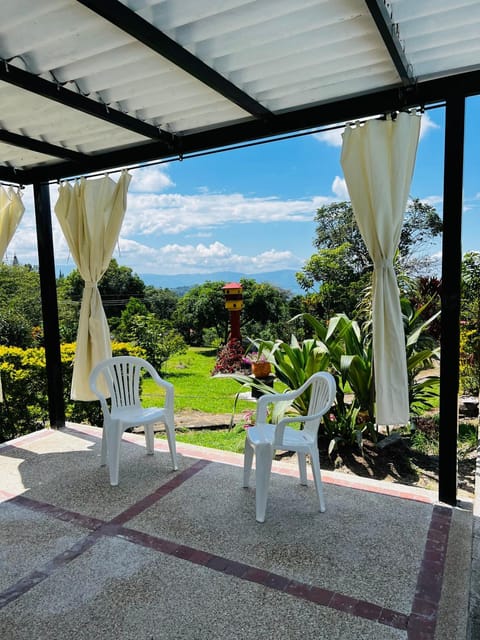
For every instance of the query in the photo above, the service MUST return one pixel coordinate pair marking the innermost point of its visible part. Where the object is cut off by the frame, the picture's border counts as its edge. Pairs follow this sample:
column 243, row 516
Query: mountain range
column 284, row 279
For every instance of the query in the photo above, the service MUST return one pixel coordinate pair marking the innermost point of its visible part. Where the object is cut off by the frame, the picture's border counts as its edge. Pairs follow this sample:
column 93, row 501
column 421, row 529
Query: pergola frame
column 160, row 144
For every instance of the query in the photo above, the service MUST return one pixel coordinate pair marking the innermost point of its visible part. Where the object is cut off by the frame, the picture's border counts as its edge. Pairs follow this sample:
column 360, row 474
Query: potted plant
column 260, row 366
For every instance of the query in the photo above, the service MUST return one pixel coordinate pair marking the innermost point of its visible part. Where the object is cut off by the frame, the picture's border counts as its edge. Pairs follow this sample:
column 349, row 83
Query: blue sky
column 252, row 209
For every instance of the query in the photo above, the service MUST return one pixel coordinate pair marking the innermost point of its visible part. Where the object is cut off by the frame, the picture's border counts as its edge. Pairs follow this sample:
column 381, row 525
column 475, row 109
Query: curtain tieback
column 90, row 285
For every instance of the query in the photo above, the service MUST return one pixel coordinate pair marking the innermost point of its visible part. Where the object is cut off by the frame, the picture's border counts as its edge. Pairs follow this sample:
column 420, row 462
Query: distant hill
column 284, row 279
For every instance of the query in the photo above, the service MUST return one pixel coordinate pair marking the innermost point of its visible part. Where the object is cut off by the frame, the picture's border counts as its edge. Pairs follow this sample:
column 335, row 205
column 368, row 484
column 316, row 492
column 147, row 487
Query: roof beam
column 387, row 30
column 143, row 31
column 40, row 146
column 39, row 86
column 385, row 101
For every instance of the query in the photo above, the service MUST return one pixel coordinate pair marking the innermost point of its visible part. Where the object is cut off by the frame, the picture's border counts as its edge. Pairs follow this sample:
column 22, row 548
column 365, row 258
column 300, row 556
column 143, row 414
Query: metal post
column 450, row 296
column 43, row 216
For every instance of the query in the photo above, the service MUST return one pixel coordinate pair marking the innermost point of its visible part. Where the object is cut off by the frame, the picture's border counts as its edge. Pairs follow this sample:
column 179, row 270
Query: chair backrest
column 122, row 375
column 323, row 389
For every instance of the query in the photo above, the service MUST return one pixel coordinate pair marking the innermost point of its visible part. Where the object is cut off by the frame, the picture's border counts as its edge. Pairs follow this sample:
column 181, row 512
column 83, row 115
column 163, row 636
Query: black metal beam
column 450, row 296
column 40, row 146
column 9, row 174
column 46, row 263
column 387, row 30
column 35, row 84
column 143, row 31
column 322, row 115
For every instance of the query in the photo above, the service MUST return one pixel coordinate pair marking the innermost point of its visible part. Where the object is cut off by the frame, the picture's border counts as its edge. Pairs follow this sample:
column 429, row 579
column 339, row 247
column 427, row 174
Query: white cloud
column 332, row 138
column 339, row 188
column 179, row 258
column 159, row 214
column 152, row 216
column 150, row 179
column 426, row 125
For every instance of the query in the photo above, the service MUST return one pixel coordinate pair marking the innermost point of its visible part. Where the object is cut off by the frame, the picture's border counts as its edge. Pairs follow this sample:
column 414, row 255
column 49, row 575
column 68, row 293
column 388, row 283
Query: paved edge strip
column 235, row 459
column 423, row 618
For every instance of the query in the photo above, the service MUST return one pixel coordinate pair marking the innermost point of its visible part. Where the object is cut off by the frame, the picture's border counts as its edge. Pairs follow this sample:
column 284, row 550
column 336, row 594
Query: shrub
column 24, row 383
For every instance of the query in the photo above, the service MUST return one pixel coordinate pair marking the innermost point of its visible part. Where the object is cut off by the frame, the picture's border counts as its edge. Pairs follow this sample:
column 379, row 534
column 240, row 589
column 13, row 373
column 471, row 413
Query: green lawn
column 195, row 388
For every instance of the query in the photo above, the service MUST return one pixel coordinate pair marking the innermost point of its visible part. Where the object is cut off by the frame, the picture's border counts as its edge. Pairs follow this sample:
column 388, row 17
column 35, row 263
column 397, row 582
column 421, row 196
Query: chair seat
column 293, row 439
column 136, row 416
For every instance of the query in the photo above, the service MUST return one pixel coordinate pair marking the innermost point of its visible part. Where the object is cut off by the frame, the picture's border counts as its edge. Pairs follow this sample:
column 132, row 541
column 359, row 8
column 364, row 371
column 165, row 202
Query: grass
column 195, row 388
column 224, row 439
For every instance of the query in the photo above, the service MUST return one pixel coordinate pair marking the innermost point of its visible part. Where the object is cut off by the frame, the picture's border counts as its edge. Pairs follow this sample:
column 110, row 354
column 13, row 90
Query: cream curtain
column 11, row 212
column 91, row 213
column 378, row 158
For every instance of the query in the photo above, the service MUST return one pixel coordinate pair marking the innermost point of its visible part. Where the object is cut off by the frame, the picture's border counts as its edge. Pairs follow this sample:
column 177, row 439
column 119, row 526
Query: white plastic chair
column 122, row 375
column 264, row 439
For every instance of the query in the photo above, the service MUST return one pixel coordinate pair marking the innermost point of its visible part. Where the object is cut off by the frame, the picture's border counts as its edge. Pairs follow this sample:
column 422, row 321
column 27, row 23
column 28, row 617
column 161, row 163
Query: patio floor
column 179, row 554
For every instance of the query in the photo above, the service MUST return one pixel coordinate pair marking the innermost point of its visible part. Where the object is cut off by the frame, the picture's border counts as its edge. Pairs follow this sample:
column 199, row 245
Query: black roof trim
column 351, row 108
column 388, row 31
column 143, row 31
column 53, row 91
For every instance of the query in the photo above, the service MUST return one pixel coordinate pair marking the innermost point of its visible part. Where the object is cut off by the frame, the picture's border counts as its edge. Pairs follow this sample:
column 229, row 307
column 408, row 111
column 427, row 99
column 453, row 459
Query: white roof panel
column 169, row 70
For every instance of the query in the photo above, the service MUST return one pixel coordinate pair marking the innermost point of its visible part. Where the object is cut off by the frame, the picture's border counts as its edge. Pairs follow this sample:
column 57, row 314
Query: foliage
column 229, row 358
column 200, row 308
column 116, row 287
column 20, row 306
column 470, row 324
column 265, row 311
column 161, row 302
column 342, row 266
column 157, row 338
column 25, row 406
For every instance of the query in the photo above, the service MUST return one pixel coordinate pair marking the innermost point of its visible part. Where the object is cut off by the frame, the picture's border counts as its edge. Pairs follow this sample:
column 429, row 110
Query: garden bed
column 409, row 459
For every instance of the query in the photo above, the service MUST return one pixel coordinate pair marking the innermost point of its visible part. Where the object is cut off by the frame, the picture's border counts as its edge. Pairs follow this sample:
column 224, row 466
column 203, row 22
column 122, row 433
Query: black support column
column 451, row 294
column 43, row 216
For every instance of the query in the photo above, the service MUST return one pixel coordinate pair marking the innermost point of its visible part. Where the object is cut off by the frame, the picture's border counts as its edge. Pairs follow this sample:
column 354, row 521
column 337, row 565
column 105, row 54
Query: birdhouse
column 233, row 296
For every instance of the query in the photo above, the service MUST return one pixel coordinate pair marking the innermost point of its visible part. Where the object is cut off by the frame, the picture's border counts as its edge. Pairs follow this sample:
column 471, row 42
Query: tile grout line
column 113, row 528
column 328, row 598
column 425, row 606
column 99, row 528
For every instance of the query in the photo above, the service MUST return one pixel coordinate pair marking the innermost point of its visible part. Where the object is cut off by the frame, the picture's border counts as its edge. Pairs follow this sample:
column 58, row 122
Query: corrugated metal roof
column 207, row 72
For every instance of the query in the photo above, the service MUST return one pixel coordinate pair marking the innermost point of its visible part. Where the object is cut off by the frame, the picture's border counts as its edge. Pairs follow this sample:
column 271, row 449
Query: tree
column 265, row 311
column 20, row 306
column 161, row 302
column 159, row 339
column 116, row 287
column 202, row 307
column 342, row 266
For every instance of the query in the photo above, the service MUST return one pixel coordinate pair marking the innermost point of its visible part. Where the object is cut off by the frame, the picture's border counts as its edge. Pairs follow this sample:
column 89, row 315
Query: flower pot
column 261, row 369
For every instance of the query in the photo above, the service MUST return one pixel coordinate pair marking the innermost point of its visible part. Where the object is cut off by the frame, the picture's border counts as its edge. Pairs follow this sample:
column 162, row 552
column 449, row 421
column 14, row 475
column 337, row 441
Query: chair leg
column 170, row 429
column 247, row 462
column 149, row 436
column 302, row 467
column 103, row 456
column 262, row 479
column 114, row 437
column 317, row 476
